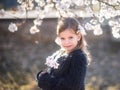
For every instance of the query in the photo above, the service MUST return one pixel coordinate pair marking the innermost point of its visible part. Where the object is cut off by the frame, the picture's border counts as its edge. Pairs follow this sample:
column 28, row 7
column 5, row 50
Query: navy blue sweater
column 70, row 74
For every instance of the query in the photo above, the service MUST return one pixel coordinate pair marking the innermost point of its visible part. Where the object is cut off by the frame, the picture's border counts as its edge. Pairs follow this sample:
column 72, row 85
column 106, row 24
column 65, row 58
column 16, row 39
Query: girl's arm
column 72, row 81
column 45, row 80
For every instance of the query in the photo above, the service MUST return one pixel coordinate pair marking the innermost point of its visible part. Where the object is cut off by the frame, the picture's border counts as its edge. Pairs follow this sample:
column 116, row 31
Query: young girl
column 67, row 66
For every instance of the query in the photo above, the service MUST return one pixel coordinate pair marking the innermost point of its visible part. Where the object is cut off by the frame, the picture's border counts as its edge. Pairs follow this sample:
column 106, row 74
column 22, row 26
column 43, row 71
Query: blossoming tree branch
column 99, row 11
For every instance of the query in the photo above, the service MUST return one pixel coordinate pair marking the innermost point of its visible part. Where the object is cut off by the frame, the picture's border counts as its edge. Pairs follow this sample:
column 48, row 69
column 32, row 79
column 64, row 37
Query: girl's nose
column 66, row 41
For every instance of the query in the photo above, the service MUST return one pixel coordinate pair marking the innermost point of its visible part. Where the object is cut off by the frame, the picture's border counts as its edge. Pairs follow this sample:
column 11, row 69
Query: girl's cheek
column 62, row 42
column 74, row 39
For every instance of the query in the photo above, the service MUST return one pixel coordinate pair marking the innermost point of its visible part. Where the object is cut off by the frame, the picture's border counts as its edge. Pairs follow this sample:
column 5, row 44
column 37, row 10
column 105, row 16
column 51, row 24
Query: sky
column 8, row 3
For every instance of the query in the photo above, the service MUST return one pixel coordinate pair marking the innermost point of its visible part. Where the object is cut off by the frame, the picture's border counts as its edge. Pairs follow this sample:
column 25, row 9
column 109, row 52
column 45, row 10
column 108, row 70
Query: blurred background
column 23, row 54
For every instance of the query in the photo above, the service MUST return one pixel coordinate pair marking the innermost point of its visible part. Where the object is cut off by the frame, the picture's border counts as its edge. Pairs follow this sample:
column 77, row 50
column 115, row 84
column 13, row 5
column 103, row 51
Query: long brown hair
column 73, row 23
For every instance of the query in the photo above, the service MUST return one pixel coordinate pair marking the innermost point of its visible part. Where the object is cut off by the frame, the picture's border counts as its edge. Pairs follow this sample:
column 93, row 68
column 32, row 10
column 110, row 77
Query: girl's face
column 69, row 39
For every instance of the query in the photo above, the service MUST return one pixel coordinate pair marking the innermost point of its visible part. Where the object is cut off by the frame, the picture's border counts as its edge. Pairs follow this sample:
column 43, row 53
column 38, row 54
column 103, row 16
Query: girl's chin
column 67, row 49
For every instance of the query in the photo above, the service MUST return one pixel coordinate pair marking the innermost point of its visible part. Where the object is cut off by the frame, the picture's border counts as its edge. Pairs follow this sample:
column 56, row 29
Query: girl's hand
column 44, row 80
column 40, row 74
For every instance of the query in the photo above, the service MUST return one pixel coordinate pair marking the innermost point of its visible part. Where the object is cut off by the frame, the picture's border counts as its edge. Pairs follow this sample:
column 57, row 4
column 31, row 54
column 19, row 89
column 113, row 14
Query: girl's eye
column 62, row 38
column 71, row 37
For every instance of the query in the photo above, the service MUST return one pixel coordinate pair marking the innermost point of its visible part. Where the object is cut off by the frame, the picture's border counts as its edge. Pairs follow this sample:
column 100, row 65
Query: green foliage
column 90, row 87
column 12, row 76
column 114, row 87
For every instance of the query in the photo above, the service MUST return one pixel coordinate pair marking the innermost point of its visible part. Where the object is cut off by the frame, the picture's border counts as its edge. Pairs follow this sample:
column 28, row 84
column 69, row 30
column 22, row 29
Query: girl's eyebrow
column 61, row 37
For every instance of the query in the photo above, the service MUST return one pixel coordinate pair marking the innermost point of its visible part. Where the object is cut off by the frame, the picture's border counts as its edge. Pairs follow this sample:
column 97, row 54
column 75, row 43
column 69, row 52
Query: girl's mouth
column 67, row 46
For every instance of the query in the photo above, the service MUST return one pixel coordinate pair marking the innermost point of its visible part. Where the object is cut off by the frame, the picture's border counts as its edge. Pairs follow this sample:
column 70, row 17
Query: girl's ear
column 78, row 35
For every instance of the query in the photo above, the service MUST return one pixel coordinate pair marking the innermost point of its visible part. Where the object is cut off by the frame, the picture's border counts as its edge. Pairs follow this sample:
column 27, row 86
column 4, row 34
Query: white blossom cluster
column 2, row 12
column 115, row 28
column 12, row 27
column 51, row 62
column 99, row 10
column 34, row 29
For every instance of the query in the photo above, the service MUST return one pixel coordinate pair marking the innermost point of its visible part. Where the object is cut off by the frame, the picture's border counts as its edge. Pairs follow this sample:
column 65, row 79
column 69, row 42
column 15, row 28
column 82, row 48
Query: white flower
column 97, row 30
column 37, row 22
column 89, row 26
column 36, row 42
column 34, row 29
column 12, row 27
column 21, row 9
column 81, row 29
column 2, row 12
column 19, row 1
column 51, row 62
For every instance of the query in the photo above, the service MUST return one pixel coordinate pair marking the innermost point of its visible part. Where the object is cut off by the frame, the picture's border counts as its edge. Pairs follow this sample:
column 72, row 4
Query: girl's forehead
column 68, row 31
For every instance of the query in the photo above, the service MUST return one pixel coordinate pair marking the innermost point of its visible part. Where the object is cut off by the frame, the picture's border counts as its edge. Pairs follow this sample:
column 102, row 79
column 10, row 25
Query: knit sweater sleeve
column 75, row 78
